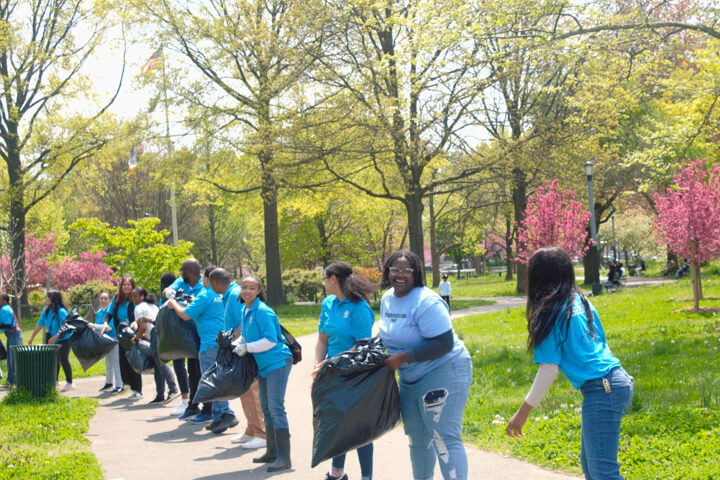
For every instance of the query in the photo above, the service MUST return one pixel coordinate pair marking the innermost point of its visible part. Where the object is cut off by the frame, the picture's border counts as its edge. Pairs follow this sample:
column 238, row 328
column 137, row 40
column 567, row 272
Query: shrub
column 87, row 294
column 303, row 285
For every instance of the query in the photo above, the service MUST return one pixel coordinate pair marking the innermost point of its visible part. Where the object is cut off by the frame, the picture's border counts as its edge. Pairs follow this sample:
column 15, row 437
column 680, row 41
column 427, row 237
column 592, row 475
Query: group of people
column 434, row 368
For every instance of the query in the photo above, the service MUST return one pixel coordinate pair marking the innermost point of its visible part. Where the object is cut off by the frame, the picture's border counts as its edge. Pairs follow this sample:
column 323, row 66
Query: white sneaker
column 180, row 408
column 241, row 438
column 254, row 442
column 68, row 387
column 135, row 394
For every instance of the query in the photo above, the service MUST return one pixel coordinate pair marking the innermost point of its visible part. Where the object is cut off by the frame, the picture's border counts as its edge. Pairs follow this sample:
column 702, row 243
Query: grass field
column 673, row 428
column 44, row 439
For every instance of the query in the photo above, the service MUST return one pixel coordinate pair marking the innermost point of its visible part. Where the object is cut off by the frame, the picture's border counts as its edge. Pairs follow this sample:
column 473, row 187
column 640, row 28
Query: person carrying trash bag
column 190, row 284
column 138, row 353
column 13, row 333
column 52, row 317
column 355, row 400
column 113, row 379
column 345, row 318
column 207, row 311
column 260, row 335
column 121, row 310
column 435, row 368
column 254, row 434
column 88, row 346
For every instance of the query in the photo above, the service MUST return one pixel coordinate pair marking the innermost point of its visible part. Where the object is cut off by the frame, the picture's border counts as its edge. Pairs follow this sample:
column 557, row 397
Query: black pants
column 447, row 300
column 181, row 375
column 161, row 370
column 191, row 379
column 128, row 375
column 63, row 359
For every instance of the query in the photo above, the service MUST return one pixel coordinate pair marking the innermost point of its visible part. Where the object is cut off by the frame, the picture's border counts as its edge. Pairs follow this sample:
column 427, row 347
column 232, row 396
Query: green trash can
column 36, row 368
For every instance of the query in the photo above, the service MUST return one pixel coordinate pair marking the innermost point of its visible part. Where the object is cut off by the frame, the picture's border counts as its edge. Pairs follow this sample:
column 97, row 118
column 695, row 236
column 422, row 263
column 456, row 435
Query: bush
column 303, row 285
column 371, row 273
column 87, row 294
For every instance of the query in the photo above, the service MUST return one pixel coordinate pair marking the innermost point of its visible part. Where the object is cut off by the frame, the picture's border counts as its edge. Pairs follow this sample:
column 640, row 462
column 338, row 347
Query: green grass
column 490, row 285
column 672, row 430
column 44, row 439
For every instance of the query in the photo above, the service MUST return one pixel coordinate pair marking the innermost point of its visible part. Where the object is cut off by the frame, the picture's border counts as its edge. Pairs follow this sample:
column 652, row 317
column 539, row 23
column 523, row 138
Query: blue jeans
column 432, row 412
column 207, row 358
column 14, row 337
column 365, row 456
column 604, row 405
column 272, row 396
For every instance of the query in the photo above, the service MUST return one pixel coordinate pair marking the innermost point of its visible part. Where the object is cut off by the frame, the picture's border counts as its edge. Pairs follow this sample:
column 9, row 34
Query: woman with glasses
column 434, row 366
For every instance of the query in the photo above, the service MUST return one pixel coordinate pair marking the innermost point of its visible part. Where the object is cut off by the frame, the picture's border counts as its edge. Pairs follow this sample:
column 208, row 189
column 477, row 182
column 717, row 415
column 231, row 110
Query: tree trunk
column 519, row 195
column 591, row 275
column 694, row 274
column 509, row 262
column 434, row 253
column 414, row 206
column 273, row 271
column 16, row 226
column 213, row 235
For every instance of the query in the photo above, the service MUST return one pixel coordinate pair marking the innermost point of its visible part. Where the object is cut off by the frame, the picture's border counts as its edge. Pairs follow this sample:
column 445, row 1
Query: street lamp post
column 596, row 287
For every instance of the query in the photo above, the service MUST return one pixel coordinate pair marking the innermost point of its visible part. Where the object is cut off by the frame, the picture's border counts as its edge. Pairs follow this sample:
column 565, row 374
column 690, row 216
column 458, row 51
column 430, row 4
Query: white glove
column 240, row 347
column 170, row 293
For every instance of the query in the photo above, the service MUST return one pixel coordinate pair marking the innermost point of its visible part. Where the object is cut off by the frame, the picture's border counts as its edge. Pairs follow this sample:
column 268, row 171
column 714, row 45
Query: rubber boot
column 282, row 437
column 271, row 448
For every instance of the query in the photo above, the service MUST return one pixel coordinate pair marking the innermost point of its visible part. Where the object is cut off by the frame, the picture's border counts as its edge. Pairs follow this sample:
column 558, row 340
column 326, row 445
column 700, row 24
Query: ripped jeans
column 432, row 412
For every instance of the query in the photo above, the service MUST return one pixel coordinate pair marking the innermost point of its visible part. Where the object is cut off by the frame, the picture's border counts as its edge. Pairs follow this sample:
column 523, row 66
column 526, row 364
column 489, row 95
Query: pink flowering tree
column 688, row 220
column 77, row 271
column 553, row 218
column 37, row 256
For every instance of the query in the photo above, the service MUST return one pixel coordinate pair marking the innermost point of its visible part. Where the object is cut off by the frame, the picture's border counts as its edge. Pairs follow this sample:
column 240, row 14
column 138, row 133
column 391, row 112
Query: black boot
column 282, row 437
column 271, row 448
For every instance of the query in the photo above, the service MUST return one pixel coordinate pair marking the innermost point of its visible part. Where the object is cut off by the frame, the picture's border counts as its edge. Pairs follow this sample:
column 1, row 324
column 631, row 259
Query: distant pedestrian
column 105, row 325
column 565, row 332
column 52, row 316
column 445, row 290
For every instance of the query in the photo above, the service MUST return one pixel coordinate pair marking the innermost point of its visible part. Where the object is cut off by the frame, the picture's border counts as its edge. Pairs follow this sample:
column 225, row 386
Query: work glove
column 170, row 293
column 240, row 347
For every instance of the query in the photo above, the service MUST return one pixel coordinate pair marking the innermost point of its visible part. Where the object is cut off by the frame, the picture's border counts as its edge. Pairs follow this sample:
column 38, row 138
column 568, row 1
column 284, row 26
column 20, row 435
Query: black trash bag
column 177, row 338
column 3, row 352
column 229, row 377
column 90, row 346
column 73, row 323
column 139, row 357
column 355, row 401
column 125, row 334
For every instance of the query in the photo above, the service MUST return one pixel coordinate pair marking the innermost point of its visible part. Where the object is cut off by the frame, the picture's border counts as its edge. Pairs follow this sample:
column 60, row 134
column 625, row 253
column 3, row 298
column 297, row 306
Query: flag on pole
column 132, row 162
column 152, row 62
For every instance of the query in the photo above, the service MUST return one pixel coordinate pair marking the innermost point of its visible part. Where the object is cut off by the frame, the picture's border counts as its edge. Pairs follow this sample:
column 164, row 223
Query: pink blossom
column 78, row 271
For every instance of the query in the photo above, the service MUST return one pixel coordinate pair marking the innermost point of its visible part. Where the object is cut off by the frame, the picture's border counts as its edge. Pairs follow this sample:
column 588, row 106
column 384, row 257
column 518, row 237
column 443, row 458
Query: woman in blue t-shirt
column 121, row 310
column 260, row 335
column 52, row 316
column 434, row 367
column 345, row 318
column 565, row 332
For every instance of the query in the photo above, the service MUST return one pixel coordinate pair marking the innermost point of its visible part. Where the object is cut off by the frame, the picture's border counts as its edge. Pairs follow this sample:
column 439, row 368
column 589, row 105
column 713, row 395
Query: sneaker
column 68, row 387
column 107, row 387
column 157, row 400
column 135, row 394
column 226, row 421
column 253, row 443
column 202, row 418
column 189, row 413
column 212, row 424
column 241, row 438
column 117, row 390
column 180, row 409
column 171, row 396
column 328, row 476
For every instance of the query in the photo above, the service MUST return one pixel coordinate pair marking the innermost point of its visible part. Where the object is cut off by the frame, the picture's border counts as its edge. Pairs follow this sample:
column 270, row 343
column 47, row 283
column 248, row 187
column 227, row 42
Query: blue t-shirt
column 233, row 306
column 406, row 322
column 581, row 355
column 261, row 322
column 7, row 318
column 100, row 320
column 122, row 311
column 208, row 312
column 180, row 284
column 52, row 321
column 344, row 322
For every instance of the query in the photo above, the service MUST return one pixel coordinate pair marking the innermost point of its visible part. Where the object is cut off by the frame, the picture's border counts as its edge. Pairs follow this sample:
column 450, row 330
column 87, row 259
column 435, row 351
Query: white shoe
column 254, row 442
column 180, row 408
column 135, row 394
column 68, row 387
column 241, row 438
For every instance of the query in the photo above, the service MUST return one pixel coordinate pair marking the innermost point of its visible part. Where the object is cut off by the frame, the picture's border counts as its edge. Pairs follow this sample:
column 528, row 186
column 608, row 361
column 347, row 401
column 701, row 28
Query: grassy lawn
column 673, row 428
column 490, row 285
column 44, row 439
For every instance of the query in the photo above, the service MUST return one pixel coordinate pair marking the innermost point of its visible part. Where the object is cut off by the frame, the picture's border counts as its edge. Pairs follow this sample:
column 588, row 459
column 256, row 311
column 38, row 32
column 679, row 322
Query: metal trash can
column 36, row 368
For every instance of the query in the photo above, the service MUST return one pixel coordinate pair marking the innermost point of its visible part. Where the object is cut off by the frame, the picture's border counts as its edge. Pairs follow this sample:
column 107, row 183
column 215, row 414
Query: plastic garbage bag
column 72, row 323
column 355, row 400
column 90, row 347
column 229, row 377
column 3, row 352
column 139, row 357
column 177, row 338
column 125, row 335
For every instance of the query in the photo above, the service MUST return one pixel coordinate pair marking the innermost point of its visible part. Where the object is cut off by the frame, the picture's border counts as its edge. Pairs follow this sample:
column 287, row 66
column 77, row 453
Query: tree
column 77, row 271
column 139, row 251
column 43, row 50
column 688, row 218
column 553, row 218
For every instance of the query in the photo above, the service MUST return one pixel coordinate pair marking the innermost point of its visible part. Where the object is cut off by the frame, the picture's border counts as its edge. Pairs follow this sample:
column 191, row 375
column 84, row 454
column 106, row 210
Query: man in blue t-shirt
column 11, row 327
column 207, row 311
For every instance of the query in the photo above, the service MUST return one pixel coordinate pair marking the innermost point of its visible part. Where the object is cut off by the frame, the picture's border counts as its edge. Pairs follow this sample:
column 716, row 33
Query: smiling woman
column 433, row 364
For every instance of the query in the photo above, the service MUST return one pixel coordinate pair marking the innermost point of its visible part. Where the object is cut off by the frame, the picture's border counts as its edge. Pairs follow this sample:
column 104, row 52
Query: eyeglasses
column 402, row 271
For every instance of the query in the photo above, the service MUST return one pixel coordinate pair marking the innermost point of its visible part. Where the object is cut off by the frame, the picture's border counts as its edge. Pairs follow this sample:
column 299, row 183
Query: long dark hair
column 261, row 292
column 551, row 285
column 354, row 287
column 56, row 301
column 121, row 298
column 143, row 293
column 415, row 264
column 166, row 280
